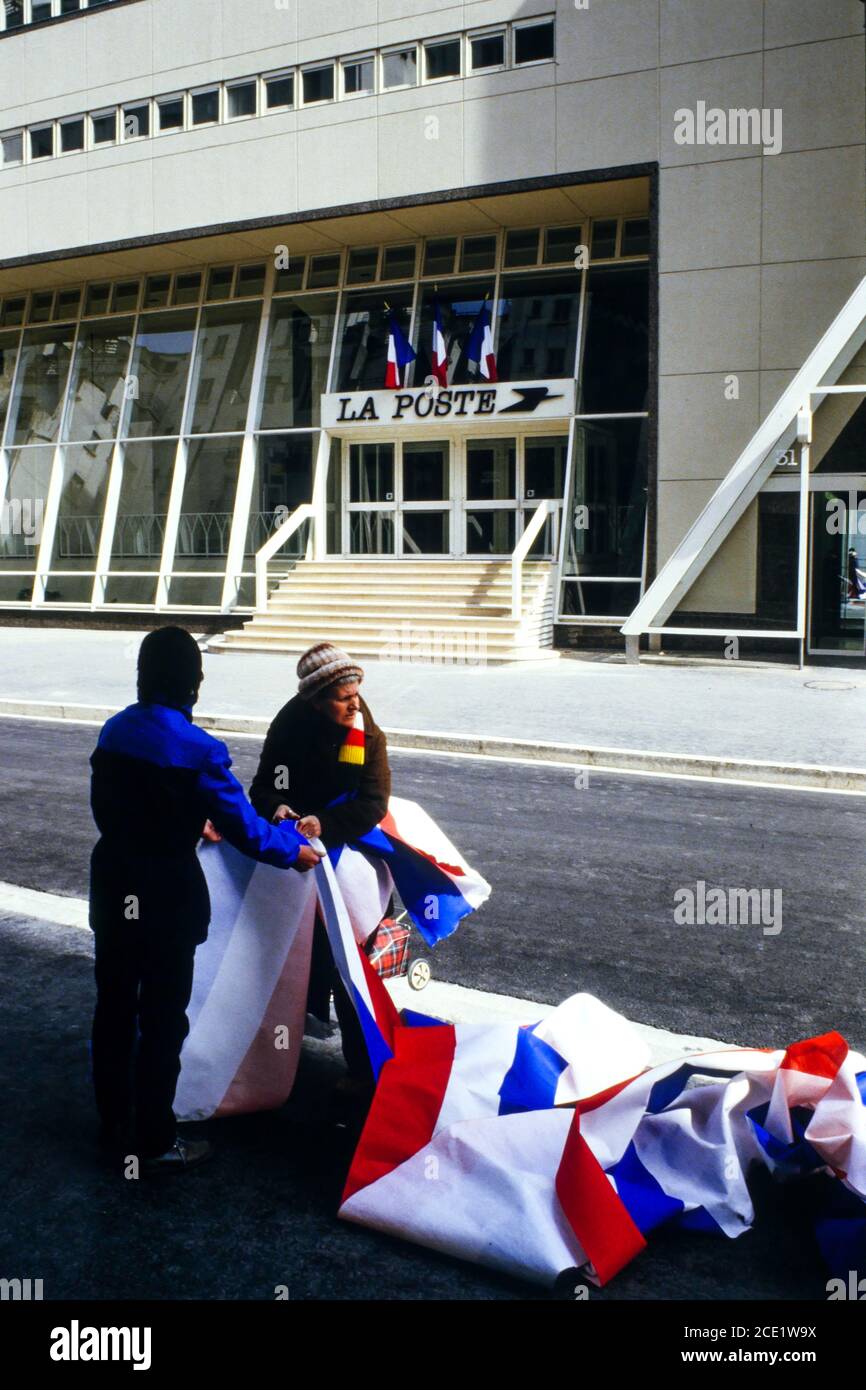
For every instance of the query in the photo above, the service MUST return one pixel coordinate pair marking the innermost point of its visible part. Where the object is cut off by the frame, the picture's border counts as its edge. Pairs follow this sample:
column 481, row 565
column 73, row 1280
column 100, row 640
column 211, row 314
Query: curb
column 801, row 776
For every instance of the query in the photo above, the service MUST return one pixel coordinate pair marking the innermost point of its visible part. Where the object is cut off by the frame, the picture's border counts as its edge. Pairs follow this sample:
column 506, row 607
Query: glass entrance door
column 838, row 609
column 399, row 495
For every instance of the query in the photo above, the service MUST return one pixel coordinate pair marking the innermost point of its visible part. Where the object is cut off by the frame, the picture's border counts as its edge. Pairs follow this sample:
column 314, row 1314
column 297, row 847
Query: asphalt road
column 583, row 899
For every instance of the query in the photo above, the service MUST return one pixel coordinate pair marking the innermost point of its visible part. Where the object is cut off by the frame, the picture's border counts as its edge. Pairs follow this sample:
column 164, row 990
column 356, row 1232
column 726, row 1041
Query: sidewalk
column 710, row 710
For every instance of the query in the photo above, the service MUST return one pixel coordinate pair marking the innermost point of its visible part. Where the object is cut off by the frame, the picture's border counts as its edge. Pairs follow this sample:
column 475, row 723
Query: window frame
column 354, row 58
column 36, row 129
column 21, row 132
column 319, row 66
column 392, row 51
column 440, row 41
column 205, row 90
column 60, row 153
column 536, row 22
column 277, row 74
column 165, row 97
column 128, row 109
column 495, row 31
column 232, row 85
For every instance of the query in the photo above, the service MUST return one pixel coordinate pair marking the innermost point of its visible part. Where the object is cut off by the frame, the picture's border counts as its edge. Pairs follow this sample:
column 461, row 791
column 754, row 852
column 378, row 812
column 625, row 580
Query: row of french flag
column 479, row 349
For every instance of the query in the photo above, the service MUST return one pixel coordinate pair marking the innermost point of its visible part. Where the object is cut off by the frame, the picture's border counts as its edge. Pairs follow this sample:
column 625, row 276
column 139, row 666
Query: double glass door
column 445, row 497
column 838, row 609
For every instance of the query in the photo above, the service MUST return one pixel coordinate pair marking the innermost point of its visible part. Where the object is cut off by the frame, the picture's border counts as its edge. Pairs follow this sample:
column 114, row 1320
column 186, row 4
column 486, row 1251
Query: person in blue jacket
column 156, row 779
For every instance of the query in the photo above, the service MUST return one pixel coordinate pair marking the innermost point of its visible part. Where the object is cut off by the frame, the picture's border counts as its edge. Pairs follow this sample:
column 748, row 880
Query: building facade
column 214, row 216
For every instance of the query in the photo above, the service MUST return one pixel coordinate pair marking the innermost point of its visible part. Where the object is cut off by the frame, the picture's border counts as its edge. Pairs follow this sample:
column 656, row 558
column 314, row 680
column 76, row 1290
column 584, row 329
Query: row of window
column 610, row 238
column 433, row 60
column 18, row 14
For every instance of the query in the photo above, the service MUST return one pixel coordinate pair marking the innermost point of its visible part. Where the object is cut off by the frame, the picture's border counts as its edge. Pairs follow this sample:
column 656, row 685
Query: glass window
column 156, row 291
column 442, row 59
column 97, row 299
column 478, row 253
column 283, row 482
column 561, row 243
column 251, row 280
column 425, row 471
column 158, row 373
column 615, row 371
column 400, row 68
column 170, row 111
column 364, row 337
column 103, row 128
column 220, row 281
column 521, row 247
column 41, row 142
column 533, row 42
column 778, row 541
column 241, row 98
column 8, row 358
column 41, row 304
column 187, row 288
column 635, row 237
column 490, row 532
column 291, row 277
column 487, row 51
column 324, row 271
column 69, row 6
column 538, row 325
column 318, row 84
column 846, row 451
column 79, row 518
column 279, row 91
column 98, row 383
column 224, row 366
column 398, row 262
column 14, row 13
column 459, row 305
column 439, row 256
column 426, row 533
column 66, row 304
column 136, row 121
column 41, row 10
column 139, row 533
column 26, row 495
column 41, row 385
column 358, row 76
column 613, row 601
column 371, row 473
column 124, row 296
column 206, row 107
column 491, row 470
column 604, row 516
column 296, row 365
column 72, row 135
column 208, row 505
column 363, row 263
column 371, row 533
column 13, row 312
column 12, row 147
column 604, row 239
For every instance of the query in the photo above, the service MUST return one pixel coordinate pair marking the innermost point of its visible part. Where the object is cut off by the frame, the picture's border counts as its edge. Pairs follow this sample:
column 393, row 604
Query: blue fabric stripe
column 648, row 1204
column 432, row 899
column 531, row 1080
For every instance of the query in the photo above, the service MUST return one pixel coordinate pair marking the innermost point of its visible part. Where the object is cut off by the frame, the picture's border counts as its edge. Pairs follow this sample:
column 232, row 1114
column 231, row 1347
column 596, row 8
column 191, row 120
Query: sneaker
column 184, row 1154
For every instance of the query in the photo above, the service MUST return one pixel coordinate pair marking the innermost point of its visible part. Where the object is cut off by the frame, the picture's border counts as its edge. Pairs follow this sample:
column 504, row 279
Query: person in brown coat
column 324, row 763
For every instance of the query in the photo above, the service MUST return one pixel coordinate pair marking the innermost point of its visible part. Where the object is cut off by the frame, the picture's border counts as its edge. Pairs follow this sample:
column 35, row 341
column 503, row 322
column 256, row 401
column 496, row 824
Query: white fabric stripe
column 277, row 904
column 337, row 918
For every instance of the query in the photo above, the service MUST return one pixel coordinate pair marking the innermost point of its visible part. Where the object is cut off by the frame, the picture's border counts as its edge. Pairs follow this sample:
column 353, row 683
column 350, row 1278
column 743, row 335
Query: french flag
column 480, row 345
column 437, row 357
column 400, row 354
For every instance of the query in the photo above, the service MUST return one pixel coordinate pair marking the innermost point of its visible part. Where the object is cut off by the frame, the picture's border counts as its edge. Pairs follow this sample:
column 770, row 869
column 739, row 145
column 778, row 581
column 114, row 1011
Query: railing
column 521, row 550
column 306, row 512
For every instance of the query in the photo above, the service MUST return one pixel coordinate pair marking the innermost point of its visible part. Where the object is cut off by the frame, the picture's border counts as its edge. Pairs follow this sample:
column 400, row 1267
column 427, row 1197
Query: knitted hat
column 324, row 665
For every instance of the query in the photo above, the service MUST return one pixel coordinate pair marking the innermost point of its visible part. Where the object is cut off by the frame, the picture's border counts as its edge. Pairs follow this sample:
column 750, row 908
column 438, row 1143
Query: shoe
column 184, row 1154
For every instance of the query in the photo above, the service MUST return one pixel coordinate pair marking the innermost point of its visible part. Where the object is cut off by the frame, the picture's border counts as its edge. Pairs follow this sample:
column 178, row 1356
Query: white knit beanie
column 324, row 665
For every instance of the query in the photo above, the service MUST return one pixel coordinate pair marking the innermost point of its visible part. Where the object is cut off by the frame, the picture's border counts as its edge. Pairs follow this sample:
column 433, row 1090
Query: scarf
column 352, row 750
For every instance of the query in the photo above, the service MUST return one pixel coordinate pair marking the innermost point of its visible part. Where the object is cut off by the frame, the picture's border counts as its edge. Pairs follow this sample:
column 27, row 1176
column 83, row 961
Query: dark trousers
column 143, row 985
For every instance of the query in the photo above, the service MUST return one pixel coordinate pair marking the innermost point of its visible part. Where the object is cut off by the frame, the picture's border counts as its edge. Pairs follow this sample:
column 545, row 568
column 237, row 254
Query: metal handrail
column 306, row 512
column 539, row 516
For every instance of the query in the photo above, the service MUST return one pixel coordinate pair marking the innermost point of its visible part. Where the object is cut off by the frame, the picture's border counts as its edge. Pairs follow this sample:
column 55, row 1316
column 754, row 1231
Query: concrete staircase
column 448, row 612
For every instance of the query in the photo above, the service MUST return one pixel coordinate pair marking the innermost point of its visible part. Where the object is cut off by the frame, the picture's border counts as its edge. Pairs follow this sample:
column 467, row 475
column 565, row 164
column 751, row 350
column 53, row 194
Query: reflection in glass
column 208, row 504
column 778, row 546
column 489, row 533
column 426, row 533
column 425, row 471
column 24, row 509
column 334, row 500
column 283, row 481
column 8, row 358
column 459, row 305
column 158, row 373
column 538, row 325
column 139, row 532
column 490, row 469
column 371, row 473
column 364, row 336
column 296, row 366
column 224, row 366
column 41, row 385
column 371, row 533
column 604, row 515
column 98, row 382
column 543, row 478
column 839, row 572
column 615, row 601
column 615, row 371
column 82, row 502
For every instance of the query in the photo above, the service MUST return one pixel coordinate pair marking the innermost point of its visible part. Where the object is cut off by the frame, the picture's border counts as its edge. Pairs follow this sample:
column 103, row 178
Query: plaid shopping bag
column 388, row 949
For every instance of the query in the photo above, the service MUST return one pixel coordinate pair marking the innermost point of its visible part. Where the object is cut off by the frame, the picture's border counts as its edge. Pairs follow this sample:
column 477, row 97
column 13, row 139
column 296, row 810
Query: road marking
column 512, row 761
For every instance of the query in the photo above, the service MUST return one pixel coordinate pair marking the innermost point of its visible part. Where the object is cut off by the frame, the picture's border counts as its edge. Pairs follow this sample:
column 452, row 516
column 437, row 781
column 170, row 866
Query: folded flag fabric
column 488, row 1165
column 438, row 357
column 400, row 354
column 479, row 347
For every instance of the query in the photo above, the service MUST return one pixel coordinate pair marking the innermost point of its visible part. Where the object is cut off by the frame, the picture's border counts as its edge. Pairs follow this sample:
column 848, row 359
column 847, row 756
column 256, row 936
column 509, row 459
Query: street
column 583, row 882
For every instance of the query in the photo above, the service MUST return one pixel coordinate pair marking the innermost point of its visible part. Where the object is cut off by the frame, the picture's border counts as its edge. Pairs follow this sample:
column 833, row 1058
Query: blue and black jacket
column 156, row 779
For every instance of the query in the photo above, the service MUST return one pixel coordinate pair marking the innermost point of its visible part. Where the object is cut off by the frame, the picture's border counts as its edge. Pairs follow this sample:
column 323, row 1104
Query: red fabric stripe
column 593, row 1209
column 406, row 1104
column 821, row 1056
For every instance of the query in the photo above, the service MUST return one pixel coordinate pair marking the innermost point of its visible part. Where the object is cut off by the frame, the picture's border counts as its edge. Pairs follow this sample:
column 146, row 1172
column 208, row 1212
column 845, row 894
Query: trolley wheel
column 419, row 973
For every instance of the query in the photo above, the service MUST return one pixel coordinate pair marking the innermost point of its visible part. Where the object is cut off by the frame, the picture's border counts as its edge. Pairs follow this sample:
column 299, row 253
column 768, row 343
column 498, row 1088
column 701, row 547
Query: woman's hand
column 210, row 833
column 284, row 813
column 307, row 859
column 310, row 826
